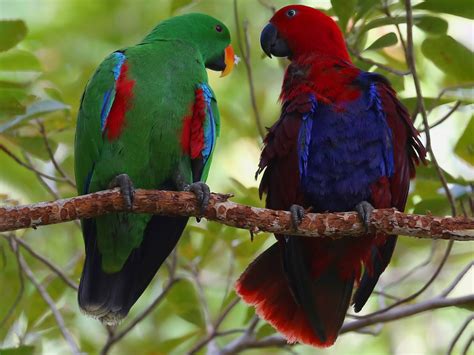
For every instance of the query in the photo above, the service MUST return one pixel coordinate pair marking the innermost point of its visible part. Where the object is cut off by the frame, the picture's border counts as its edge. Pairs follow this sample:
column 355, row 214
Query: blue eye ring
column 291, row 13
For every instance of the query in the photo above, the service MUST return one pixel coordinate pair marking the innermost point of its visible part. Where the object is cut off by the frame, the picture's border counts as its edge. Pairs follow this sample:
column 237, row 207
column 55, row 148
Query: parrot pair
column 343, row 142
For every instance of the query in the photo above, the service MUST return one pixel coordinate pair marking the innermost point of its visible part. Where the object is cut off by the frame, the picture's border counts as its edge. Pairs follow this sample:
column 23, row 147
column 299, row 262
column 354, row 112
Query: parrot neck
column 329, row 79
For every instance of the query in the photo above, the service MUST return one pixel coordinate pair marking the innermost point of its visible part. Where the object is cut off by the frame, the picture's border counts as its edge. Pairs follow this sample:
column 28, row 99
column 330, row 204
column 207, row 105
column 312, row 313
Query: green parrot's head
column 209, row 35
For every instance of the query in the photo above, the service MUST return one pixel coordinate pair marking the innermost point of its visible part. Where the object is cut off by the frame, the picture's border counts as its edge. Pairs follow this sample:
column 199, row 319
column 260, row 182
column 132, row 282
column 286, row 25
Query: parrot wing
column 408, row 152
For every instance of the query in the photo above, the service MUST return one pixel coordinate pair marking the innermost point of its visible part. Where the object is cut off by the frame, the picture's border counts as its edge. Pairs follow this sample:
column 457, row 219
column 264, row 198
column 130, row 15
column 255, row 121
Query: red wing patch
column 192, row 135
column 122, row 103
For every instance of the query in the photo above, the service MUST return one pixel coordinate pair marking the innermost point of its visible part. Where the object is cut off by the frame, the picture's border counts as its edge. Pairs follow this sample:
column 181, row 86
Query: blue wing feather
column 109, row 95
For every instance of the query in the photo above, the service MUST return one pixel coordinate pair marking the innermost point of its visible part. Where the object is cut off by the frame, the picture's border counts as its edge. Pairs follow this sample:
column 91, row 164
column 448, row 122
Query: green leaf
column 10, row 102
column 465, row 146
column 463, row 8
column 386, row 40
column 21, row 350
column 365, row 7
column 384, row 21
column 34, row 110
column 185, row 303
column 265, row 330
column 34, row 146
column 170, row 344
column 11, row 33
column 344, row 9
column 432, row 24
column 19, row 60
column 450, row 56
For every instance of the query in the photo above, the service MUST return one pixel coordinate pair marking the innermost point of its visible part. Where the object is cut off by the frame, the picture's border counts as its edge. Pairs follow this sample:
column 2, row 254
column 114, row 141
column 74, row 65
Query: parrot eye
column 291, row 13
column 218, row 28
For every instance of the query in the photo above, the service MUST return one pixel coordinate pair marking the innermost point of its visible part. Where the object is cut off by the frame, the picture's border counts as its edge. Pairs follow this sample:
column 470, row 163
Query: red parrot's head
column 299, row 31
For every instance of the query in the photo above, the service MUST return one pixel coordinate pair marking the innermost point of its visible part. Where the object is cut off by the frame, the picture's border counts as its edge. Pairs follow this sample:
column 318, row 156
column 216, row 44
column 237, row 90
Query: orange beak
column 229, row 60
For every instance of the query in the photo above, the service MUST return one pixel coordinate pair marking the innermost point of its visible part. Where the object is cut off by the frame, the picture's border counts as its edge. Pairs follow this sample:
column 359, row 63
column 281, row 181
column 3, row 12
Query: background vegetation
column 48, row 51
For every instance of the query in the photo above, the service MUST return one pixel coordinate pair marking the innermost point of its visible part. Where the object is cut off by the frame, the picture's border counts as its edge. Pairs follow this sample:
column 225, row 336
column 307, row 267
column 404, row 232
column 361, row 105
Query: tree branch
column 173, row 203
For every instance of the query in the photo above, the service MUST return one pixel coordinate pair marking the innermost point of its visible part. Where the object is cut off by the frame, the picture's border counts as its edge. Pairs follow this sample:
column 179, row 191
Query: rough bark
column 222, row 210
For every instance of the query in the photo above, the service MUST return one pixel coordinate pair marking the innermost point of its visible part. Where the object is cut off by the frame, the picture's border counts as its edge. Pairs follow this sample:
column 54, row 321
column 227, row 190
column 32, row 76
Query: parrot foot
column 203, row 194
column 364, row 209
column 297, row 214
column 127, row 190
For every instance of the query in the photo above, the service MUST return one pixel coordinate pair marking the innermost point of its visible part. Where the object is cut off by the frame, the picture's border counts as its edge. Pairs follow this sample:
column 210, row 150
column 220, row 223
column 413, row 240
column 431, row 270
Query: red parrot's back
column 343, row 142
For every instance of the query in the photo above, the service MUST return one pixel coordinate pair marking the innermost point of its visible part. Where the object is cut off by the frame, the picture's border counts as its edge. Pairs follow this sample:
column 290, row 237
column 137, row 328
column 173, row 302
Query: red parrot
column 343, row 142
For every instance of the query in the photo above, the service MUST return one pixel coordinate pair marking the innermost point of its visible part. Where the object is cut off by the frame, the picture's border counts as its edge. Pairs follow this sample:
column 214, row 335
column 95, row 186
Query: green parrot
column 148, row 119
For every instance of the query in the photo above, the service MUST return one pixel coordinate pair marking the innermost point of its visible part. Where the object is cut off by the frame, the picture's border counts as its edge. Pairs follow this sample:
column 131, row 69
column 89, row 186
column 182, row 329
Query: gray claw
column 203, row 194
column 127, row 190
column 364, row 209
column 297, row 214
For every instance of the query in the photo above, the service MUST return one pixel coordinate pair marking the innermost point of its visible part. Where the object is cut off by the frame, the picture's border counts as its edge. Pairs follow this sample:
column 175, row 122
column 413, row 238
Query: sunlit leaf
column 463, row 8
column 34, row 110
column 386, row 40
column 344, row 9
column 465, row 146
column 450, row 56
column 11, row 33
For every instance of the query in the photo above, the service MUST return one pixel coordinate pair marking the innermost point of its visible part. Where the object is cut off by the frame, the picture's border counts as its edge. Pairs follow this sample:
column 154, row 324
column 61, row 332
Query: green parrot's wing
column 96, row 104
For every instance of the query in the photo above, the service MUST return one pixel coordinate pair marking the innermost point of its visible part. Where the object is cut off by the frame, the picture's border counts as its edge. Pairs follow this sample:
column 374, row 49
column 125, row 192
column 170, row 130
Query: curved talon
column 364, row 209
column 127, row 190
column 203, row 194
column 297, row 214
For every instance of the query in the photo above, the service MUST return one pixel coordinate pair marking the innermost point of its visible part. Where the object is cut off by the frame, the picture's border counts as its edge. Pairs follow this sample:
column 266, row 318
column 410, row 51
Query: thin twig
column 47, row 298
column 20, row 291
column 445, row 117
column 459, row 333
column 29, row 167
column 359, row 56
column 41, row 180
column 468, row 344
column 203, row 342
column 58, row 167
column 421, row 290
column 458, row 279
column 248, row 66
column 49, row 264
column 416, row 268
column 421, row 105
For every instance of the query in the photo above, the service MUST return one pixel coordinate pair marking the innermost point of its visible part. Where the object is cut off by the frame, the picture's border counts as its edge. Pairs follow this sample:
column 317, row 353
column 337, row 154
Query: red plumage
column 192, row 135
column 122, row 102
column 303, row 286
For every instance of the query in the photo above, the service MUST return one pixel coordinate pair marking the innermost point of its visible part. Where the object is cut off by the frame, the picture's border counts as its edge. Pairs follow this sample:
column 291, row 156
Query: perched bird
column 343, row 142
column 148, row 119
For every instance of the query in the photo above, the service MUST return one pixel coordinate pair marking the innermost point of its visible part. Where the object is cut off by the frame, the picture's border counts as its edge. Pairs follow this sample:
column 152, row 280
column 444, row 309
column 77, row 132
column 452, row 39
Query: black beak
column 272, row 43
column 217, row 64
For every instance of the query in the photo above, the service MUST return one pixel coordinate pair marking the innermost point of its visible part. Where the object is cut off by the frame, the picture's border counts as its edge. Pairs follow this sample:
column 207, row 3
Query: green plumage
column 167, row 68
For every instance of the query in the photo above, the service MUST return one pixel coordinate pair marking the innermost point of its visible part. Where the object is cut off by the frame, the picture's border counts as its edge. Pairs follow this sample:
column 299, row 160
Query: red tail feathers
column 265, row 285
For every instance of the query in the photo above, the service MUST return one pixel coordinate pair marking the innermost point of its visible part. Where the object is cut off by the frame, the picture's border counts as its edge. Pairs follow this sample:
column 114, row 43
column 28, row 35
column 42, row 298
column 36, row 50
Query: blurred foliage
column 49, row 49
